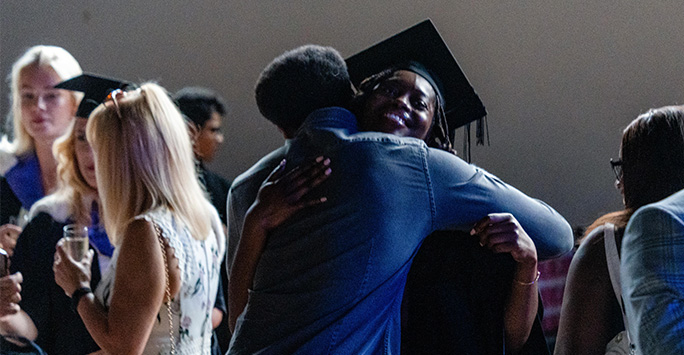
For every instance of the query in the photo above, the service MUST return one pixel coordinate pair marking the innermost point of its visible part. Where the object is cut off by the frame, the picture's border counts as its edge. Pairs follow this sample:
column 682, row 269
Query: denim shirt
column 330, row 281
column 652, row 276
column 242, row 194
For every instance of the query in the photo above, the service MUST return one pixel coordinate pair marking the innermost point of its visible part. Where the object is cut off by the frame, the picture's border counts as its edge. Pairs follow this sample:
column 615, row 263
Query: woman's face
column 403, row 105
column 84, row 154
column 46, row 112
column 209, row 138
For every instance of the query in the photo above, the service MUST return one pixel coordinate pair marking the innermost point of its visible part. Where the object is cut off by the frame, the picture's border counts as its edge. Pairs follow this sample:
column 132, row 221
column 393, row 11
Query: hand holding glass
column 76, row 241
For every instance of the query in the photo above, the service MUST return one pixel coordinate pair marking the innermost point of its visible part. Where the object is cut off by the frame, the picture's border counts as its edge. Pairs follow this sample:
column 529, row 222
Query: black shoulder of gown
column 60, row 330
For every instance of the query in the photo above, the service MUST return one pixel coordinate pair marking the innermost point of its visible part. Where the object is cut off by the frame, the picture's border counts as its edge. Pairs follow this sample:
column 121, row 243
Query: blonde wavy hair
column 71, row 185
column 144, row 161
column 55, row 58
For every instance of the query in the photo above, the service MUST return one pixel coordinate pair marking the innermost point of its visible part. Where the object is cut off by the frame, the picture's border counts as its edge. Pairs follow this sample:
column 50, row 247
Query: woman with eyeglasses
column 40, row 114
column 158, row 294
column 650, row 168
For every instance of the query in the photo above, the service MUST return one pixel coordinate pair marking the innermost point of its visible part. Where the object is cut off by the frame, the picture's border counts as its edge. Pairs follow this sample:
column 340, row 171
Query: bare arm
column 589, row 308
column 242, row 274
column 502, row 233
column 279, row 198
column 137, row 295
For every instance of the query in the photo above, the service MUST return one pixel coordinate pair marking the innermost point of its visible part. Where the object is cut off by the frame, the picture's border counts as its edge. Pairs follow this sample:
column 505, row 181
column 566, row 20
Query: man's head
column 299, row 82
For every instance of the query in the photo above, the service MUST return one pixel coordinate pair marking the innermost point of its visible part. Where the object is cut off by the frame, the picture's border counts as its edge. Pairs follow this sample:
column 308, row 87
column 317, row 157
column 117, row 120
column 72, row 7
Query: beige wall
column 560, row 79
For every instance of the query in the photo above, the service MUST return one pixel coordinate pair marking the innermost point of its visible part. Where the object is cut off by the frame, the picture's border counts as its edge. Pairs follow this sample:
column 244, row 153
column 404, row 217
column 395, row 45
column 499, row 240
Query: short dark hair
column 301, row 81
column 198, row 103
column 652, row 155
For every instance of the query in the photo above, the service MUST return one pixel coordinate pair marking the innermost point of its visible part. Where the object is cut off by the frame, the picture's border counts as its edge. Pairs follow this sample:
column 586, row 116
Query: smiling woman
column 403, row 104
column 443, row 310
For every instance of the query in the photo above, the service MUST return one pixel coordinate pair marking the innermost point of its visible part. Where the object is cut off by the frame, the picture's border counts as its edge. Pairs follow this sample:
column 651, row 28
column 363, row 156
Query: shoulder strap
column 158, row 231
column 613, row 261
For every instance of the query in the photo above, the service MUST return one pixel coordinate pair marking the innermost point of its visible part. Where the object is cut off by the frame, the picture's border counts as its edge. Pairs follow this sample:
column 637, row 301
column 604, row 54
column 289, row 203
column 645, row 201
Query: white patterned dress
column 199, row 263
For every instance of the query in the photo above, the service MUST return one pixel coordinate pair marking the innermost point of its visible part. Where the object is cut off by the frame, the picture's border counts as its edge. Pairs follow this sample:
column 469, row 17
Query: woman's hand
column 9, row 233
column 279, row 197
column 10, row 294
column 283, row 194
column 501, row 233
column 70, row 274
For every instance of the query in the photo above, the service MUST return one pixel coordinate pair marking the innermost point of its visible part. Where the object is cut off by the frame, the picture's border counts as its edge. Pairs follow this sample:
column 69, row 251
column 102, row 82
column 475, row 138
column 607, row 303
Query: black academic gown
column 60, row 330
column 217, row 188
column 455, row 298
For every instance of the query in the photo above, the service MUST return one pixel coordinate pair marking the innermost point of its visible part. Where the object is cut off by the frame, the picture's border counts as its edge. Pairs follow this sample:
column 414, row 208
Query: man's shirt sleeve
column 652, row 280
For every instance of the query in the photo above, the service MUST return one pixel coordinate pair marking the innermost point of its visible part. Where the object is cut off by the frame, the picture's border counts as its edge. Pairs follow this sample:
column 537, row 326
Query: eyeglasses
column 617, row 168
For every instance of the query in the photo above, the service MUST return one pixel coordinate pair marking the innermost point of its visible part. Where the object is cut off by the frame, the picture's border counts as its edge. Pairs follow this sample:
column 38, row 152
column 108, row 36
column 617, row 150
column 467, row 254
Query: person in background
column 652, row 263
column 40, row 114
column 44, row 306
column 205, row 111
column 162, row 225
column 650, row 168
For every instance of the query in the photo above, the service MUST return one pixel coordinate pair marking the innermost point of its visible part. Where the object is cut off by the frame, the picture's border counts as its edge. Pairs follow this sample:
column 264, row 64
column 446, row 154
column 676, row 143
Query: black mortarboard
column 421, row 49
column 95, row 89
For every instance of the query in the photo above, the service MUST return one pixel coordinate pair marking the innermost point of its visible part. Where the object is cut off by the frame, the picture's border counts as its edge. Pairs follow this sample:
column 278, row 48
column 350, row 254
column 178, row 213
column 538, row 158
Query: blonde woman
column 40, row 114
column 44, row 313
column 155, row 297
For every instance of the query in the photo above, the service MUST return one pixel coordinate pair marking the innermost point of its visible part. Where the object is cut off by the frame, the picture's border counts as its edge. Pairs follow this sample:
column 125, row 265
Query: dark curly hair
column 438, row 136
column 301, row 81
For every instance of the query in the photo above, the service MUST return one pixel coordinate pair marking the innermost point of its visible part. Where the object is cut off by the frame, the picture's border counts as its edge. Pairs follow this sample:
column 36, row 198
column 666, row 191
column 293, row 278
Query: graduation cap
column 422, row 50
column 95, row 89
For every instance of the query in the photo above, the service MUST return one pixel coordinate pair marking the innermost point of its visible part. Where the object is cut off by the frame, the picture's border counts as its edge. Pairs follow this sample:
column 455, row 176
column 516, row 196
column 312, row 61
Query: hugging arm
column 464, row 194
column 280, row 197
column 501, row 233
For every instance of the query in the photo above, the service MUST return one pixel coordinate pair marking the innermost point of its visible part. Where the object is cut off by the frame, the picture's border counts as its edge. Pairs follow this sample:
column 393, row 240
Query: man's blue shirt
column 331, row 279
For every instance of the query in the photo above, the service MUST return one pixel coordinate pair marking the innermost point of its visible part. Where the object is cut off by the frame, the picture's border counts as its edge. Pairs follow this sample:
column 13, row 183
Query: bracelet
column 529, row 283
column 77, row 295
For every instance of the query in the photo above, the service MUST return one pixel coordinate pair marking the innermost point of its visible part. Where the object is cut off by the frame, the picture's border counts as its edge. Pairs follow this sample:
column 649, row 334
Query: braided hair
column 438, row 136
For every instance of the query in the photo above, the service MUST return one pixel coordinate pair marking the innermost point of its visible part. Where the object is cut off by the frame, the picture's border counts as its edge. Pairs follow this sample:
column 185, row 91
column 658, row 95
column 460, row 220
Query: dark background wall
column 560, row 79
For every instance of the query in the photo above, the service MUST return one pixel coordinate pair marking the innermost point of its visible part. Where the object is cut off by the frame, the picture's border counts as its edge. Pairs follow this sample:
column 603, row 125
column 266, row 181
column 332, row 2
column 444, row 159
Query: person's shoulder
column 260, row 169
column 657, row 226
column 332, row 111
column 7, row 157
column 670, row 208
column 57, row 206
column 592, row 250
column 589, row 267
column 216, row 181
column 673, row 204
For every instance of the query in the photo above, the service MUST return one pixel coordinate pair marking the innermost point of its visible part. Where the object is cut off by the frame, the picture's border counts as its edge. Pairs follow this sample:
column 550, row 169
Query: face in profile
column 46, row 112
column 403, row 104
column 84, row 154
column 209, row 138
